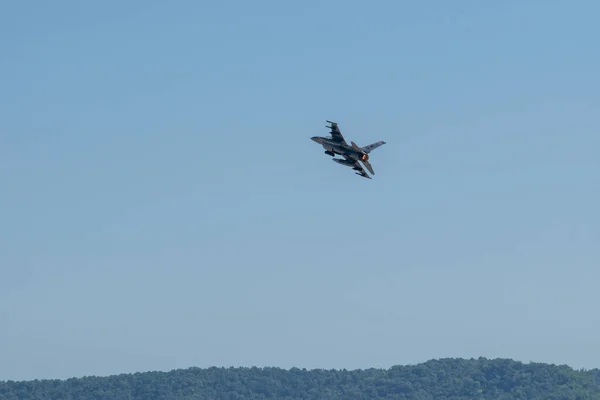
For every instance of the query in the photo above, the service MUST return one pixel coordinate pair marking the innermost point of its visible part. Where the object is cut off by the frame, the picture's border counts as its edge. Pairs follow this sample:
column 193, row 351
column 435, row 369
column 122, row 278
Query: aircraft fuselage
column 334, row 147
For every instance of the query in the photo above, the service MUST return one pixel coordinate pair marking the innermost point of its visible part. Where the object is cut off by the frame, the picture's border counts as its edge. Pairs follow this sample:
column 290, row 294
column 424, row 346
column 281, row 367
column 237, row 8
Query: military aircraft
column 352, row 153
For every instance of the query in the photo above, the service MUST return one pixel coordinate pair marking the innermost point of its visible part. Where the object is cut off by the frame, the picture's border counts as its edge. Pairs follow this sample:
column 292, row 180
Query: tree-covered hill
column 435, row 379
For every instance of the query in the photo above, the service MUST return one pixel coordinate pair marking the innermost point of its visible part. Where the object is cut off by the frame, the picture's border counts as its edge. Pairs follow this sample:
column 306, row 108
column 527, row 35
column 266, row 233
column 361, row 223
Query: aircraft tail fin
column 370, row 147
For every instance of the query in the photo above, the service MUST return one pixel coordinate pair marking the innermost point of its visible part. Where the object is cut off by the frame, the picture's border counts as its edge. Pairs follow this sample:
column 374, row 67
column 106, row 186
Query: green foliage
column 452, row 379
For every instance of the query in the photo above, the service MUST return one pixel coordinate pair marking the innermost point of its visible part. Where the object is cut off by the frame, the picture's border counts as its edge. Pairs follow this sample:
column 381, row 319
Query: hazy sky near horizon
column 163, row 206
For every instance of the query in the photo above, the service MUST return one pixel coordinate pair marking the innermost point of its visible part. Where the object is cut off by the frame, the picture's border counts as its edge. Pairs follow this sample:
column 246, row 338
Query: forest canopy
column 455, row 379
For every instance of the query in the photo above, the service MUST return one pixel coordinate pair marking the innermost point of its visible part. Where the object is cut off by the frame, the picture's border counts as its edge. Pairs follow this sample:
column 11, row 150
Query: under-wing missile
column 347, row 163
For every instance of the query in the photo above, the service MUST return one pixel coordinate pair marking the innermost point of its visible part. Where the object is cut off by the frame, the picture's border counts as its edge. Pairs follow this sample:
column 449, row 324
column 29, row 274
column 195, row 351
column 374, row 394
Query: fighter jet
column 352, row 153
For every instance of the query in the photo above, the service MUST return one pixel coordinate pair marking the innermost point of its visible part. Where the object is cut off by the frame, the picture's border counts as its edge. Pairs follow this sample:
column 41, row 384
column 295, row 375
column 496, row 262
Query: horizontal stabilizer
column 370, row 147
column 369, row 167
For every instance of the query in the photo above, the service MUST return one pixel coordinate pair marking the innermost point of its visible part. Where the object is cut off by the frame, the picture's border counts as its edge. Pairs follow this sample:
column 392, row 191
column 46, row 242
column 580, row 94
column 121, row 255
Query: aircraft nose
column 314, row 138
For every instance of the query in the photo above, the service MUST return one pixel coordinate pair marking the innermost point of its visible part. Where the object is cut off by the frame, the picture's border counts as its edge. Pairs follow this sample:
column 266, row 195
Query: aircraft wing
column 335, row 132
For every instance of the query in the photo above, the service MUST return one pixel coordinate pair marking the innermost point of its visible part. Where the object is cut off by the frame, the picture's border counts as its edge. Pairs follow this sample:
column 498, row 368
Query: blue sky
column 163, row 205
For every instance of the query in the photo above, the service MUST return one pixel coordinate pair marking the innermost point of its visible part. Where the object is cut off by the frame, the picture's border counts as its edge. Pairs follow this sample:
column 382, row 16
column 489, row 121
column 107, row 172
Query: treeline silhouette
column 455, row 379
